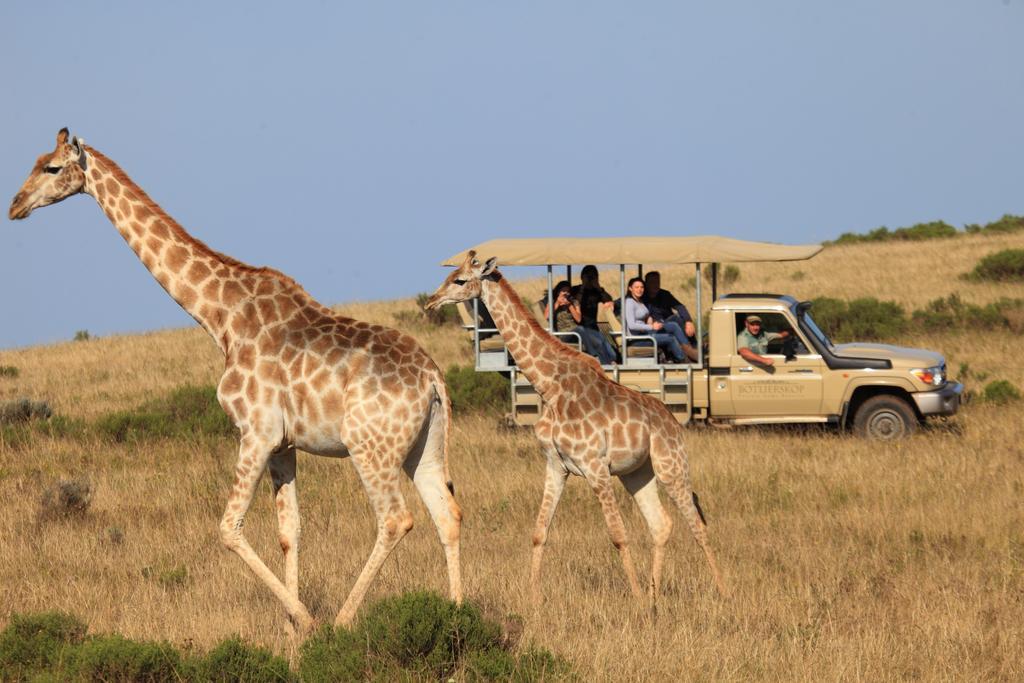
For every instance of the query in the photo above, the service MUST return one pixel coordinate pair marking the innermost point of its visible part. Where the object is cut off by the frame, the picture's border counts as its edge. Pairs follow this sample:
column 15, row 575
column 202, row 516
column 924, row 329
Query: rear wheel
column 884, row 418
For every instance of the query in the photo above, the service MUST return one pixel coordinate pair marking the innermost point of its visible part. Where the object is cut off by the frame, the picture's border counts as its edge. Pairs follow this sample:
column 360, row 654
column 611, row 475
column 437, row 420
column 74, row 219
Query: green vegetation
column 953, row 313
column 187, row 412
column 82, row 335
column 421, row 636
column 1002, row 266
column 67, row 498
column 9, row 371
column 1000, row 392
column 933, row 230
column 416, row 636
column 1008, row 223
column 473, row 391
column 868, row 319
column 444, row 315
column 863, row 319
column 917, row 232
column 24, row 410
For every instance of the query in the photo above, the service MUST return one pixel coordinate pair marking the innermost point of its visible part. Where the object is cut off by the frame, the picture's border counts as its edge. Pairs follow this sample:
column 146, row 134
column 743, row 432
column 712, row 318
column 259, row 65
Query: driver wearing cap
column 752, row 343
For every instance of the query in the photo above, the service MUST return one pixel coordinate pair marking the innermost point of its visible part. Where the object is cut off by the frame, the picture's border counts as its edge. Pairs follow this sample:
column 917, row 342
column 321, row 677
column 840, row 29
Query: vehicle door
column 790, row 386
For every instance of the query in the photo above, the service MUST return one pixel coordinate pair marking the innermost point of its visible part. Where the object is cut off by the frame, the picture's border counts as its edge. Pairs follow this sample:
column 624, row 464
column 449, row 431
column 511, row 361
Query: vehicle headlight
column 935, row 376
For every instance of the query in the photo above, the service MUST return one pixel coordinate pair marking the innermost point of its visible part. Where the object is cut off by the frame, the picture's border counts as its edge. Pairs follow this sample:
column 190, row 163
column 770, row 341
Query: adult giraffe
column 296, row 376
column 590, row 426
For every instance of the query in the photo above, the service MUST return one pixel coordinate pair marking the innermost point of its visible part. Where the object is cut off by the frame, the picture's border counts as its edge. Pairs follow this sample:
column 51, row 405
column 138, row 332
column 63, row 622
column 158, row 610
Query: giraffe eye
column 459, row 282
column 51, row 169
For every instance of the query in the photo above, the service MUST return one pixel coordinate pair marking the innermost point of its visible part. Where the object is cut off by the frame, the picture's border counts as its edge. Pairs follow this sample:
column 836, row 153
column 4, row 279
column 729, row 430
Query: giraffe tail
column 444, row 404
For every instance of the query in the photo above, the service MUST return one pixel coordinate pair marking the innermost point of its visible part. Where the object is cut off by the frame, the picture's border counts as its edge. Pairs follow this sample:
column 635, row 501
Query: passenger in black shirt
column 666, row 308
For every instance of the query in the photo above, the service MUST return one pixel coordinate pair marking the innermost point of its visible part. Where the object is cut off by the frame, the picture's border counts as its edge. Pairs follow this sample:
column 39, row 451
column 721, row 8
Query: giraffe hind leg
column 426, row 467
column 643, row 487
column 393, row 518
column 680, row 492
column 282, row 467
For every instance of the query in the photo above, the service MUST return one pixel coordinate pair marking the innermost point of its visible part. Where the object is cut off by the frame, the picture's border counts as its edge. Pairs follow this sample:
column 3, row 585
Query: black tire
column 884, row 418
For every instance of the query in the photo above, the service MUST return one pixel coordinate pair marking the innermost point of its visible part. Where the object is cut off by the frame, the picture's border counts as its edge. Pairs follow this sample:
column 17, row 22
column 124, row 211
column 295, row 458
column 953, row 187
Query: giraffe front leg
column 599, row 479
column 253, row 458
column 282, row 468
column 554, row 484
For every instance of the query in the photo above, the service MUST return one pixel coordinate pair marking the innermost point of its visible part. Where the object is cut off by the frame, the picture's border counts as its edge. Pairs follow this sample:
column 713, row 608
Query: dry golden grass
column 847, row 560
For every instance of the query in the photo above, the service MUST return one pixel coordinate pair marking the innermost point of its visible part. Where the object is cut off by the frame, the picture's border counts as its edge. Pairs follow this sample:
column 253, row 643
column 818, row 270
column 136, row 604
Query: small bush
column 1008, row 223
column 235, row 660
column 9, row 371
column 186, row 413
column 1000, row 392
column 917, row 232
column 426, row 633
column 68, row 498
column 32, row 644
column 82, row 335
column 24, row 410
column 1002, row 266
column 332, row 655
column 865, row 319
column 444, row 315
column 473, row 391
column 953, row 312
column 115, row 658
column 173, row 577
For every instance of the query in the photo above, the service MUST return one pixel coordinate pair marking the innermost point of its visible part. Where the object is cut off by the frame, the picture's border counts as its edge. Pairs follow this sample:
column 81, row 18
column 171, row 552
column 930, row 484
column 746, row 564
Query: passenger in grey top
column 637, row 320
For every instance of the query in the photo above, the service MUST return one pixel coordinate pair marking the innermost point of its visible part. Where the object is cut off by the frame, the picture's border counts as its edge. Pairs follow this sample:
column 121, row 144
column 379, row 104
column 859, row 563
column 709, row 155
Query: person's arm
column 681, row 310
column 574, row 310
column 634, row 318
column 747, row 354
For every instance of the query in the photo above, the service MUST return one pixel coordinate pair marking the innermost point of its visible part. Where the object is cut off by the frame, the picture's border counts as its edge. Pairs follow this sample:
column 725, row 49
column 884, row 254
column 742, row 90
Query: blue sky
column 355, row 145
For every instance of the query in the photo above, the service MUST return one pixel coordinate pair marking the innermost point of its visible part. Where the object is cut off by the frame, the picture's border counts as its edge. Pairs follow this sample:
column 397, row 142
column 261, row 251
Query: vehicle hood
column 901, row 357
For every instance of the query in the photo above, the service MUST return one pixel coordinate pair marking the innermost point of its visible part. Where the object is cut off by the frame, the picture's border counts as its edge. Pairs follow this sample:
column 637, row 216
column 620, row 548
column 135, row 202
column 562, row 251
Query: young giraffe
column 296, row 376
column 590, row 426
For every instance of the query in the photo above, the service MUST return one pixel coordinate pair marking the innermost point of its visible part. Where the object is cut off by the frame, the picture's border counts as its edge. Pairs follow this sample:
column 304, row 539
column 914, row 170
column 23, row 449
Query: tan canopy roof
column 642, row 250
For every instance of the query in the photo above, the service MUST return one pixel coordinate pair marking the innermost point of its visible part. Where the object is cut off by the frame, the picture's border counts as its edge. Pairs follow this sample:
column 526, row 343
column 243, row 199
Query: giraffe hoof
column 300, row 625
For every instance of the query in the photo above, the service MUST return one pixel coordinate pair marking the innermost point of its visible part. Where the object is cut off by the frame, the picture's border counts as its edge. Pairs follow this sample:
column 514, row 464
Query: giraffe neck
column 204, row 282
column 536, row 353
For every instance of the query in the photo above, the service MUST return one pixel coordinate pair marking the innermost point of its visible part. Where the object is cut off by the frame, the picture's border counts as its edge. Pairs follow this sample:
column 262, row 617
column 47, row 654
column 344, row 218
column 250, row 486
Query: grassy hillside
column 846, row 559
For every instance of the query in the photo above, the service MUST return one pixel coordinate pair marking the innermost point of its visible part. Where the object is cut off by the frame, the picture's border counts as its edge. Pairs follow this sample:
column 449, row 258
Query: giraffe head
column 464, row 282
column 56, row 176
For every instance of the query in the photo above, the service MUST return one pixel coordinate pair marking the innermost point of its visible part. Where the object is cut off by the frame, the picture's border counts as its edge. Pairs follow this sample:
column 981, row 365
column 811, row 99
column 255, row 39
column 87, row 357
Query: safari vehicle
column 880, row 391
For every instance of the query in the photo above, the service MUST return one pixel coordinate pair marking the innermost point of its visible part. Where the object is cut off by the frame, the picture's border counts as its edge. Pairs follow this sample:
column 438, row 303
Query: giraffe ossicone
column 590, row 426
column 297, row 376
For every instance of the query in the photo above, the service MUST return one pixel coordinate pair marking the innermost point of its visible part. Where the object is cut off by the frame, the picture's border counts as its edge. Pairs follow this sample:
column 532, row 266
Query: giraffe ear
column 489, row 267
column 77, row 145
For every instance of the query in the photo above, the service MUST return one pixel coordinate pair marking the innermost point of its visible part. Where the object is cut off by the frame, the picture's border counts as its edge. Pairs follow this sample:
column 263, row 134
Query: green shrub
column 187, row 412
column 333, row 654
column 1000, row 392
column 426, row 633
column 473, row 391
column 24, row 410
column 115, row 658
column 1002, row 266
column 953, row 312
column 82, row 335
column 1008, row 223
column 9, row 371
column 917, row 232
column 68, row 498
column 172, row 577
column 865, row 319
column 443, row 315
column 235, row 660
column 32, row 644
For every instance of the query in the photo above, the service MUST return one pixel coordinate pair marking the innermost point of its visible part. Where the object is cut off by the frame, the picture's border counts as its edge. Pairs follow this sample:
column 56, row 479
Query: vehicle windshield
column 815, row 330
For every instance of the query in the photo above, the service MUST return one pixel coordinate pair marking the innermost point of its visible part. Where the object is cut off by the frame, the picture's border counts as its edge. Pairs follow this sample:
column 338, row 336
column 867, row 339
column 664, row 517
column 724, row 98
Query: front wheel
column 884, row 418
